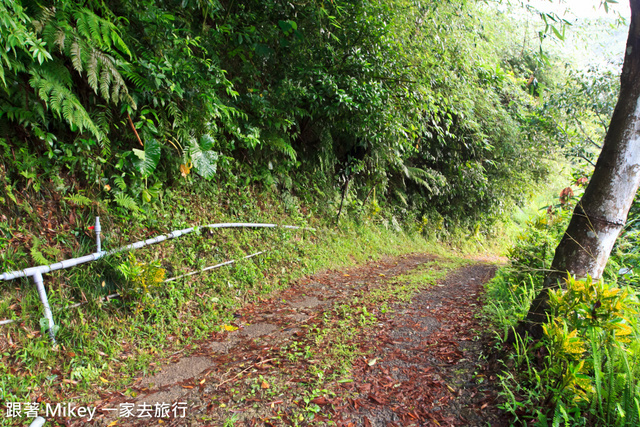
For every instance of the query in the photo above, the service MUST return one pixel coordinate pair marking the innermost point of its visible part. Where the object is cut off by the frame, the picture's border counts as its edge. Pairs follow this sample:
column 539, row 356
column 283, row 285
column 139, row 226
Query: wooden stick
column 134, row 129
column 253, row 365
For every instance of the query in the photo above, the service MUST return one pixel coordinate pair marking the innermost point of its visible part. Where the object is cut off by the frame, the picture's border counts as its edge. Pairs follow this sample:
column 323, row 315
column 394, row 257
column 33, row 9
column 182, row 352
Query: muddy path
column 396, row 342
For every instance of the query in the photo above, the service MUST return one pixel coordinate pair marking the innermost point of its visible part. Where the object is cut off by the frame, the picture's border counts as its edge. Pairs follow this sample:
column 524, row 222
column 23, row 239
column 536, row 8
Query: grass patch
column 105, row 344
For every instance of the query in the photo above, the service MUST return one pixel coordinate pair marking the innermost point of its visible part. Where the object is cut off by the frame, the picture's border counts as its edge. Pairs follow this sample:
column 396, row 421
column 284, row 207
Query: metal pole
column 36, row 272
column 212, row 267
column 37, row 278
column 97, row 230
column 38, row 422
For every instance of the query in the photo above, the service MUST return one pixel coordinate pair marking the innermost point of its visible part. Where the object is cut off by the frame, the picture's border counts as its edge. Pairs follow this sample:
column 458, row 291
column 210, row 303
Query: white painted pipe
column 42, row 269
column 37, row 272
column 37, row 278
column 212, row 267
column 97, row 229
column 38, row 422
column 222, row 264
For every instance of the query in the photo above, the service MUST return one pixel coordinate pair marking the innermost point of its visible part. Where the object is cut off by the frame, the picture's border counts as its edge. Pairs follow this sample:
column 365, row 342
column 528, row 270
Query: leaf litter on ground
column 375, row 345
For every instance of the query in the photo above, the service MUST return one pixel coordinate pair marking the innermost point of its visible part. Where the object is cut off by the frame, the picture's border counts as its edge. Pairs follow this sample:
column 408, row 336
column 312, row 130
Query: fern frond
column 114, row 77
column 402, row 197
column 119, row 181
column 47, row 15
column 174, row 112
column 105, row 83
column 79, row 200
column 56, row 98
column 126, row 202
column 115, row 94
column 104, row 118
column 62, row 101
column 413, row 171
column 87, row 26
column 36, row 255
column 99, row 31
column 88, row 41
column 38, row 258
column 69, row 110
column 279, row 144
column 92, row 70
column 421, row 182
column 61, row 37
column 76, row 56
column 140, row 82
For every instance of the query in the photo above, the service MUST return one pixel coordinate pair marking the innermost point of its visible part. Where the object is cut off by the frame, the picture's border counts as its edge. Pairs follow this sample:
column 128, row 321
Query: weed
column 231, row 421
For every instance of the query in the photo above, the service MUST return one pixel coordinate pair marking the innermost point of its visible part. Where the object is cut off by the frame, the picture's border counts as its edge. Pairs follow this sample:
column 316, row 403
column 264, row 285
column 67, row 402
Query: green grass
column 104, row 345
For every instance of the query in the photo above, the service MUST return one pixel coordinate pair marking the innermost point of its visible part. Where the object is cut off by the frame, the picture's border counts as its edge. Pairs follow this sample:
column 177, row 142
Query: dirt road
column 396, row 342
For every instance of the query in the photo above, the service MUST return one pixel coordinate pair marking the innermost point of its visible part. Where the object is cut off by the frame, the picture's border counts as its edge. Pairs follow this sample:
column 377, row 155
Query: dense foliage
column 440, row 115
column 416, row 107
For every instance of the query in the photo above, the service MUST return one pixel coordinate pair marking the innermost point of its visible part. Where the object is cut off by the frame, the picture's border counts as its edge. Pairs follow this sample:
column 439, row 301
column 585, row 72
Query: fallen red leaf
column 320, row 400
column 376, row 399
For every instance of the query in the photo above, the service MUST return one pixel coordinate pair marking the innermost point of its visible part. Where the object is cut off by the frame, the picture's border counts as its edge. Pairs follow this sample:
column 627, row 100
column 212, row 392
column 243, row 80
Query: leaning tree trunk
column 602, row 212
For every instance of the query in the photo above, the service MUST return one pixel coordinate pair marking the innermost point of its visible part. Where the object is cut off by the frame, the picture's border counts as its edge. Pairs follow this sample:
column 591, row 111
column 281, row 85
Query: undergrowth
column 585, row 369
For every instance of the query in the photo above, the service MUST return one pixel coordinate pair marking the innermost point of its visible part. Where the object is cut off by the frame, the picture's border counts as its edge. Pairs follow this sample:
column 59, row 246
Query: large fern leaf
column 279, row 144
column 90, row 41
column 62, row 101
column 126, row 202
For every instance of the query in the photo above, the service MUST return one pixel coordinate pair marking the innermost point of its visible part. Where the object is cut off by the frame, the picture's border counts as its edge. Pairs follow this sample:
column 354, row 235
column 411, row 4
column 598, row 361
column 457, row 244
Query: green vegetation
column 585, row 369
column 109, row 106
column 389, row 126
column 103, row 344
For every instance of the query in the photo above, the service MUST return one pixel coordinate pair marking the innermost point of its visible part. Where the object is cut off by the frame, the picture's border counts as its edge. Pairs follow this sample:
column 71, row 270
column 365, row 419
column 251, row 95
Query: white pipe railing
column 36, row 272
column 38, row 422
column 171, row 279
column 222, row 264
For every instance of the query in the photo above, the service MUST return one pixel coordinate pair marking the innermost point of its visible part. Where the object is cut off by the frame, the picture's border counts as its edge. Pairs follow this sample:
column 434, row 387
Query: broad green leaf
column 148, row 159
column 205, row 162
column 152, row 127
column 139, row 153
column 285, row 26
column 288, row 26
column 206, row 142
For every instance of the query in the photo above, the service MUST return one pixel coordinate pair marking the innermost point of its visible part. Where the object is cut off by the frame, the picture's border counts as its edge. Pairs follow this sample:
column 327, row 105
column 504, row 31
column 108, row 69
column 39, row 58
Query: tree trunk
column 602, row 212
column 345, row 190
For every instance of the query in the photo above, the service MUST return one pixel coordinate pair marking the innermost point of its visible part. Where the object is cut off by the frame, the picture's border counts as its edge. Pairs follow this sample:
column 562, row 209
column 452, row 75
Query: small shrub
column 142, row 280
column 592, row 343
column 585, row 370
